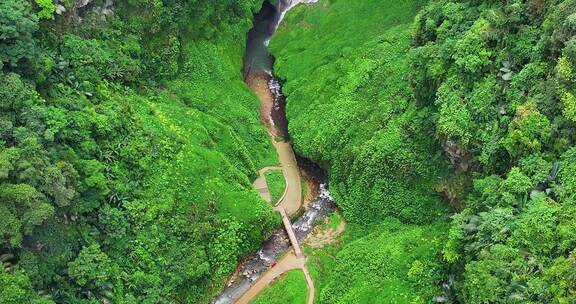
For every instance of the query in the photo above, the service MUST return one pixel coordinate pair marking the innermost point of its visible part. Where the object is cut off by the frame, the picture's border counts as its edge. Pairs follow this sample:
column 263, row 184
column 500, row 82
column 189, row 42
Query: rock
column 60, row 9
column 455, row 153
column 83, row 3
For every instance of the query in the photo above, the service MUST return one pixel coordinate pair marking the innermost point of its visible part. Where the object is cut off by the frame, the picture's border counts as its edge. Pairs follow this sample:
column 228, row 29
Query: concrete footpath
column 288, row 205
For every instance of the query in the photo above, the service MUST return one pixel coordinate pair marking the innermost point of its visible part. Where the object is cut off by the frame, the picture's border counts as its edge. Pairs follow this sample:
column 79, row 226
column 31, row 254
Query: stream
column 259, row 62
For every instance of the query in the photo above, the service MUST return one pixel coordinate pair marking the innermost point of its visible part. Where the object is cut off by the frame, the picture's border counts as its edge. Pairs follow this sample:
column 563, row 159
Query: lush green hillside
column 388, row 263
column 491, row 85
column 347, row 76
column 500, row 80
column 128, row 143
column 350, row 108
column 127, row 147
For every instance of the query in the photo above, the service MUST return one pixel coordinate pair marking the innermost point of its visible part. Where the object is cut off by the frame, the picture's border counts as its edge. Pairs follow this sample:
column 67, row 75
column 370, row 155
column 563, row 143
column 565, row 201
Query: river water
column 258, row 61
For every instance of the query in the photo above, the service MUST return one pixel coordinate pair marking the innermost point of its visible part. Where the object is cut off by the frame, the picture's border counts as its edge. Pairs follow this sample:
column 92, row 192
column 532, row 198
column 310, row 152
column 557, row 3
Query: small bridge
column 290, row 231
column 290, row 261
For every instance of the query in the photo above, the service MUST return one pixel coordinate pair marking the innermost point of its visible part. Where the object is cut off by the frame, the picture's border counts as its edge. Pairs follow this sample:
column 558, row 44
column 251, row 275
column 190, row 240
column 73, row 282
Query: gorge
column 285, row 151
column 259, row 76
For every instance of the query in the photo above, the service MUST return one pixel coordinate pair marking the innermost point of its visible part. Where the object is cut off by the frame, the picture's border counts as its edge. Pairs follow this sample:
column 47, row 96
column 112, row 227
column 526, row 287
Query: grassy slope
column 346, row 69
column 276, row 184
column 290, row 288
column 211, row 145
column 155, row 204
column 347, row 73
column 193, row 212
column 220, row 146
column 390, row 263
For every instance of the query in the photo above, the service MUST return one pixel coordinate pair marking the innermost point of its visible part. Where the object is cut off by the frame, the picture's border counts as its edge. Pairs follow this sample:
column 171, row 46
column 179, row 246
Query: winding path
column 290, row 202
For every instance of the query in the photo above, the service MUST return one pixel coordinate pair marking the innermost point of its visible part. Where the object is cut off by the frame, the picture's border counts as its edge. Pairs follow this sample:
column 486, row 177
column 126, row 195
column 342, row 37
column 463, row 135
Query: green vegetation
column 471, row 99
column 290, row 288
column 392, row 263
column 128, row 143
column 125, row 167
column 388, row 263
column 276, row 184
column 334, row 220
column 382, row 160
column 320, row 263
column 507, row 68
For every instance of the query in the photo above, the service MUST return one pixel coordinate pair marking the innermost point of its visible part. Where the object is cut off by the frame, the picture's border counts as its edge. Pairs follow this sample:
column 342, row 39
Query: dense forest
column 129, row 142
column 412, row 106
column 353, row 87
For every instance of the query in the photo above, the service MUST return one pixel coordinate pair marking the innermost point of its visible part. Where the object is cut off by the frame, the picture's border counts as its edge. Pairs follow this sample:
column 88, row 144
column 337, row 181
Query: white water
column 283, row 7
column 258, row 263
column 286, row 5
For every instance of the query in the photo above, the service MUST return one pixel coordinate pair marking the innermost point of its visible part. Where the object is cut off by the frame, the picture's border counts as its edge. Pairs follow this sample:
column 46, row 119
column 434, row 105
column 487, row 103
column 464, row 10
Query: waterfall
column 283, row 7
column 286, row 5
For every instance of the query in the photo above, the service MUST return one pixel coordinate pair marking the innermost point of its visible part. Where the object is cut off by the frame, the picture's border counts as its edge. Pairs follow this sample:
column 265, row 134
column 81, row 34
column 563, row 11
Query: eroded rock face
column 456, row 154
column 83, row 3
column 107, row 9
column 457, row 185
column 82, row 6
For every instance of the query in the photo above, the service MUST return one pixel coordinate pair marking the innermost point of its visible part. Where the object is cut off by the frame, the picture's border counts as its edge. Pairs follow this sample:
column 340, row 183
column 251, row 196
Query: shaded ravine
column 258, row 75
